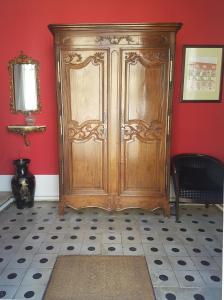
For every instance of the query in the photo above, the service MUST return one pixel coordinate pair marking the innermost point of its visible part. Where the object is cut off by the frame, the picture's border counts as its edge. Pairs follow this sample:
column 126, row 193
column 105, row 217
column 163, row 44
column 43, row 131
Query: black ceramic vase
column 23, row 184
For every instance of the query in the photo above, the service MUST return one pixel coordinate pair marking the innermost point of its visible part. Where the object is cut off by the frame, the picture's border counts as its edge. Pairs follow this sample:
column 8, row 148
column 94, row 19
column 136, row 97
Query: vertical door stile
column 61, row 120
column 113, row 117
column 123, row 119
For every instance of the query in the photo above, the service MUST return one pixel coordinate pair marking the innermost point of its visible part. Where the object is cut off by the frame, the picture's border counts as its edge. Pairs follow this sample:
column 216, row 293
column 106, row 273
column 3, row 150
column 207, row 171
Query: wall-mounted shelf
column 24, row 130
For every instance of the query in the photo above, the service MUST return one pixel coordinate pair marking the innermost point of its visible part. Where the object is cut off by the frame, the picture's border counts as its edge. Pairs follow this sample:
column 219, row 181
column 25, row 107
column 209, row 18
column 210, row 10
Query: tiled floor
column 184, row 259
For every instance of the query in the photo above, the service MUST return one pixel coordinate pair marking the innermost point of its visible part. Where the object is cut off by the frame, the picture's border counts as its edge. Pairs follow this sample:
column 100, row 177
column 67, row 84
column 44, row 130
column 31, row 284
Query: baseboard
column 220, row 206
column 47, row 186
column 6, row 203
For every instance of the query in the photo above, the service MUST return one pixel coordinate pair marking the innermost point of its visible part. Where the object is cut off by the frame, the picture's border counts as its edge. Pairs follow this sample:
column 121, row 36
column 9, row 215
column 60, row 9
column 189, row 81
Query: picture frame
column 202, row 73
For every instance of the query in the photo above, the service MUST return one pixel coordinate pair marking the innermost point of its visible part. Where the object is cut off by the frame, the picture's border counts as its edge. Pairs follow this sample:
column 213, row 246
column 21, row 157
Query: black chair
column 198, row 177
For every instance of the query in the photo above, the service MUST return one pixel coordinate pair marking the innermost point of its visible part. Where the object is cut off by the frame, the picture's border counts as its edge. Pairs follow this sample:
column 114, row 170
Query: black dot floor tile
column 182, row 263
column 212, row 278
column 91, row 249
column 30, row 292
column 205, row 263
column 189, row 279
column 164, row 278
column 154, row 249
column 156, row 262
column 203, row 293
column 12, row 276
column 112, row 249
column 7, row 292
column 175, row 250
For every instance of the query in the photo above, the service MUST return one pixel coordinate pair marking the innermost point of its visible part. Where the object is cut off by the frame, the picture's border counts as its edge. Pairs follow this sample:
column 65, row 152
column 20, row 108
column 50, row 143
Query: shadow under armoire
column 114, row 91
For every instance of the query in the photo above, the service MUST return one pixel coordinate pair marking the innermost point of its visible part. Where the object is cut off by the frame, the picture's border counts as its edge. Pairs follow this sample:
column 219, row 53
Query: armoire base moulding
column 114, row 203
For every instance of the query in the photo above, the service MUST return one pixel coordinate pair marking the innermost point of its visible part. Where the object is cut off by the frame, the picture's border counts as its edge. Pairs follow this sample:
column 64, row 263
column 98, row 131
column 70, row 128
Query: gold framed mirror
column 24, row 85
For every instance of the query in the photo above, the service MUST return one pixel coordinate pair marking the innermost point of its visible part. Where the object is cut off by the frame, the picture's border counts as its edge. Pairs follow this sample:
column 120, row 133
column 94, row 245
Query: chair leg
column 177, row 208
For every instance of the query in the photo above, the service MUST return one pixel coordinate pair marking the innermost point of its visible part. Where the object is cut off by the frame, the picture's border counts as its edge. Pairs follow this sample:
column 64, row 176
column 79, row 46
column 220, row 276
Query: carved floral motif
column 114, row 202
column 144, row 131
column 76, row 58
column 86, row 130
column 70, row 56
column 114, row 40
column 149, row 57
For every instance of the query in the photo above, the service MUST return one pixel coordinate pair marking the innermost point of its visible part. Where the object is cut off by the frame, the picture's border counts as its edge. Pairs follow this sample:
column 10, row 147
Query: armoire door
column 84, row 120
column 144, row 105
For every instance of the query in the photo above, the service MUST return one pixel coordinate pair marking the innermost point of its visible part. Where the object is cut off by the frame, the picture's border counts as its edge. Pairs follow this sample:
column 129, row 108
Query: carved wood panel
column 85, row 125
column 87, row 130
column 144, row 105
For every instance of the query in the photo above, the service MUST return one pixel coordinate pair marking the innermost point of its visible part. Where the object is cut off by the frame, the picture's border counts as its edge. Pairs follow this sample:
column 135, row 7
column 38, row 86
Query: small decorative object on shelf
column 30, row 119
column 23, row 184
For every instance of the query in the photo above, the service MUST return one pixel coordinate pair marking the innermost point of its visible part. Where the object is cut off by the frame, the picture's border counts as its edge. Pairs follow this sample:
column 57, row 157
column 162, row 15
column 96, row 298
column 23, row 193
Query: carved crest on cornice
column 114, row 40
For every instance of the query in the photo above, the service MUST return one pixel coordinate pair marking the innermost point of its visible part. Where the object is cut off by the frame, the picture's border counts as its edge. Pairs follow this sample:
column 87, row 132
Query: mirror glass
column 24, row 84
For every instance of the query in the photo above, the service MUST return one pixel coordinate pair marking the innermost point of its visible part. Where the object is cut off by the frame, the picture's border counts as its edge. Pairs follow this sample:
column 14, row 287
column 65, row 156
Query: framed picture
column 202, row 73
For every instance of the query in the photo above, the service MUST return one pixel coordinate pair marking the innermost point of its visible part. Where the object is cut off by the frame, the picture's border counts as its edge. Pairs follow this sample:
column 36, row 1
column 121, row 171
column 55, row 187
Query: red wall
column 196, row 127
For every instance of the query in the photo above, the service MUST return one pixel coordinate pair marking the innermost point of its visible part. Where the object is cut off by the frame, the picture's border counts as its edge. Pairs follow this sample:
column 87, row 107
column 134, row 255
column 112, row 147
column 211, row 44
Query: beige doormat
column 100, row 278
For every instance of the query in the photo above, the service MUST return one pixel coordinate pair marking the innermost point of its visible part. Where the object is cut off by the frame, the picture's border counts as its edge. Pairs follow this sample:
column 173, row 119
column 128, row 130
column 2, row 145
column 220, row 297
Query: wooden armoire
column 114, row 91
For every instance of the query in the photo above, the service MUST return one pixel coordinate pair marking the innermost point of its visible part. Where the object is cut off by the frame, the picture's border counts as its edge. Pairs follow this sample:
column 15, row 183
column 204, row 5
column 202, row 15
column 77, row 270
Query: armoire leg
column 166, row 209
column 177, row 209
column 61, row 208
